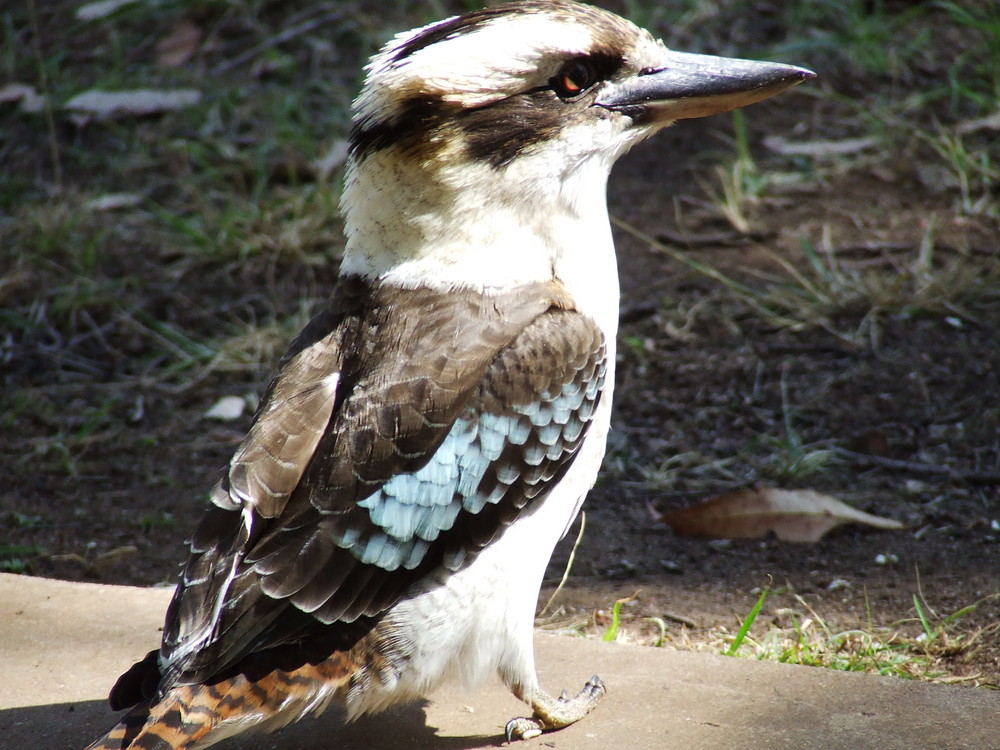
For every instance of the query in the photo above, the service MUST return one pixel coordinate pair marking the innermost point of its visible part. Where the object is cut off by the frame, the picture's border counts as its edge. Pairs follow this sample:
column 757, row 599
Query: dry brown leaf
column 179, row 46
column 793, row 515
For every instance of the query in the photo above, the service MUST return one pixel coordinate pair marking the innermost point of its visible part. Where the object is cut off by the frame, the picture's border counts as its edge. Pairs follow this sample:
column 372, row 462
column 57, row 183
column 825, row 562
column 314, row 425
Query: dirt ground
column 710, row 396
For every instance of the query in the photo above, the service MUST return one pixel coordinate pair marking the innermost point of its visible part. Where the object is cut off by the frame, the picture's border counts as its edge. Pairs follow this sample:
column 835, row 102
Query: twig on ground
column 681, row 619
column 915, row 467
column 569, row 563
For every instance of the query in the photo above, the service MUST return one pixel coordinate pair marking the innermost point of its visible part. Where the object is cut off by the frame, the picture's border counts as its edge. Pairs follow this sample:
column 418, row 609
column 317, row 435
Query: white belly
column 463, row 627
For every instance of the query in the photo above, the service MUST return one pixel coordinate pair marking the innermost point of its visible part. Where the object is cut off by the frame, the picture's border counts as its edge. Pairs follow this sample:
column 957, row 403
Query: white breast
column 465, row 627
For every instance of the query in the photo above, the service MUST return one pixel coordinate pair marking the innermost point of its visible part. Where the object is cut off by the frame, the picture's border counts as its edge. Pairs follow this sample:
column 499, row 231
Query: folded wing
column 403, row 431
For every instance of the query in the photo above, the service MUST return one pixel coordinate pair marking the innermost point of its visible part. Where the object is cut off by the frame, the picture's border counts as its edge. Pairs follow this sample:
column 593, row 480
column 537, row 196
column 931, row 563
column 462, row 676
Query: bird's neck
column 469, row 226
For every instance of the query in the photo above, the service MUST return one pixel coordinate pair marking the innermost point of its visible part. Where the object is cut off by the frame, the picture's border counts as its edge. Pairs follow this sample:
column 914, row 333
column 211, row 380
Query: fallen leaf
column 179, row 46
column 819, row 149
column 226, row 409
column 100, row 9
column 793, row 515
column 113, row 201
column 28, row 97
column 133, row 103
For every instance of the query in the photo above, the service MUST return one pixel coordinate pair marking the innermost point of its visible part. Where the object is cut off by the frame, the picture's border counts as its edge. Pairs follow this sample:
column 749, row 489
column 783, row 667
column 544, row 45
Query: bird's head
column 507, row 121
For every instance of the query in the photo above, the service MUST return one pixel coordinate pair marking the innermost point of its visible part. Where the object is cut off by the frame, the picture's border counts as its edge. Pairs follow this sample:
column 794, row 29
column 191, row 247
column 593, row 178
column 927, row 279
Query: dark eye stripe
column 418, row 117
column 495, row 133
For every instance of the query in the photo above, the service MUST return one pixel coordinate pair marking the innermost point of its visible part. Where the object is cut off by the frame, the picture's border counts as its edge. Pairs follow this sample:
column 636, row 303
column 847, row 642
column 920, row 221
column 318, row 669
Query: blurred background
column 811, row 301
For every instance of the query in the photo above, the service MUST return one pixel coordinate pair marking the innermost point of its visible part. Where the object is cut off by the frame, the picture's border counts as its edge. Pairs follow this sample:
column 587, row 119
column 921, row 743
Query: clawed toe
column 555, row 713
column 522, row 728
column 593, row 688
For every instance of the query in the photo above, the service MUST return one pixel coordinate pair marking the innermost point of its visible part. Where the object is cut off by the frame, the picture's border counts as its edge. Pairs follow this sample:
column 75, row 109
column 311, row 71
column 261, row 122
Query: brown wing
column 397, row 436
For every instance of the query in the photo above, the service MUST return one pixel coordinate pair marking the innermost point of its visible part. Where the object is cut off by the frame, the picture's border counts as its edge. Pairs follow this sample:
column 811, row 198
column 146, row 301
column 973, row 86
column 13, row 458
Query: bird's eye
column 574, row 78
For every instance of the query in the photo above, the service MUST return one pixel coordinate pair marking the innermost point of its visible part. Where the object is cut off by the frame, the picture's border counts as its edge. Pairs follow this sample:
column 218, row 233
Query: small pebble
column 671, row 567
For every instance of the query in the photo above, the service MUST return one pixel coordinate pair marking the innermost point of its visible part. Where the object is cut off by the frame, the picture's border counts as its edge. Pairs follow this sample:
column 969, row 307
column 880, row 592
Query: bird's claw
column 555, row 713
column 522, row 728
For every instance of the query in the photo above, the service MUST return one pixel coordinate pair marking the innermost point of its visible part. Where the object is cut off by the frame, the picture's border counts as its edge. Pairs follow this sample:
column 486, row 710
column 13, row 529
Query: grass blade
column 748, row 623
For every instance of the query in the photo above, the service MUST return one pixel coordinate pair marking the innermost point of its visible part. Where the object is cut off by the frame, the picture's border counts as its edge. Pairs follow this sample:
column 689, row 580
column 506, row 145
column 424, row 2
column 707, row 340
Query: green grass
column 741, row 634
column 231, row 235
column 615, row 625
column 152, row 521
column 862, row 36
column 231, row 183
column 17, row 558
column 933, row 652
column 808, row 640
column 853, row 301
column 915, row 82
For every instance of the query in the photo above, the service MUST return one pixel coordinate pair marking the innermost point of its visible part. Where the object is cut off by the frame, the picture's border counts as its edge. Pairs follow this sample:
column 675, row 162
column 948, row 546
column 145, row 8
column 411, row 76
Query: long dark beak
column 686, row 85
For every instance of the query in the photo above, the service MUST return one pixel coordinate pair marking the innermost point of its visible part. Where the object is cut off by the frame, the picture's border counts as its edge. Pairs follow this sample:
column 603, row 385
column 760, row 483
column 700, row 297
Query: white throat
column 464, row 224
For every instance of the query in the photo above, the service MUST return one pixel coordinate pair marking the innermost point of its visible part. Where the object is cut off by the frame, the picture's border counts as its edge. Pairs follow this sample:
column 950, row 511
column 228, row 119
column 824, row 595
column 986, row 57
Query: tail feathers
column 192, row 717
column 177, row 721
column 137, row 684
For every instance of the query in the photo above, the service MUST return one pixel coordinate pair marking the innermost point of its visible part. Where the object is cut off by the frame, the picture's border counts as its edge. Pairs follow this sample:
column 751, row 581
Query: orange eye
column 575, row 77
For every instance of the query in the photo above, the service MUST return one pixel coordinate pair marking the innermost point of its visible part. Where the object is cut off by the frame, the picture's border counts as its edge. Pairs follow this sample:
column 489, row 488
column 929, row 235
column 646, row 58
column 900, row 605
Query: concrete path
column 62, row 645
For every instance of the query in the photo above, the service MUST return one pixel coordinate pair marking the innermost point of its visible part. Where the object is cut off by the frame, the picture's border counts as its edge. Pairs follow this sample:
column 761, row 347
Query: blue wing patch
column 410, row 511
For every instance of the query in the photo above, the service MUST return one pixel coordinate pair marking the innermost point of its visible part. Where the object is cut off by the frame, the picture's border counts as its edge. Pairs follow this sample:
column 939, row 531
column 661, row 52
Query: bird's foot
column 555, row 713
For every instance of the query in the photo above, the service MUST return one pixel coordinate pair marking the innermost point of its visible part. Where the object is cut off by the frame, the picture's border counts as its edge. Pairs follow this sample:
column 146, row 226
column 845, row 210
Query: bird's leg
column 555, row 713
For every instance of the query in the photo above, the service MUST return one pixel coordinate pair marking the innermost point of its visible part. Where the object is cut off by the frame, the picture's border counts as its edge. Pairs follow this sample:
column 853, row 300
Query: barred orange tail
column 196, row 716
column 175, row 722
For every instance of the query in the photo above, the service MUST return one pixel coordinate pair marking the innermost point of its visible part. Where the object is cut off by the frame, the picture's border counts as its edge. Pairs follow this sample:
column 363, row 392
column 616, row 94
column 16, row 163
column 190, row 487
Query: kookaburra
column 430, row 435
